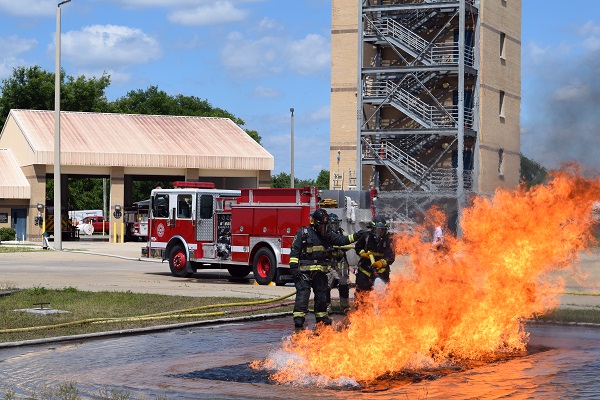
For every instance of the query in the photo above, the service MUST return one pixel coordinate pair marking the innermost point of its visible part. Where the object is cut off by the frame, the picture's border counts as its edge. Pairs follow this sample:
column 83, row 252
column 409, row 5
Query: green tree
column 86, row 194
column 33, row 89
column 322, row 181
column 532, row 173
column 140, row 190
column 281, row 180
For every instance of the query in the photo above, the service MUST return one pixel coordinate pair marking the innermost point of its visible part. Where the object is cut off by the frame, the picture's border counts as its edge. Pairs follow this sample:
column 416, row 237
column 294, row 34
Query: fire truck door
column 205, row 211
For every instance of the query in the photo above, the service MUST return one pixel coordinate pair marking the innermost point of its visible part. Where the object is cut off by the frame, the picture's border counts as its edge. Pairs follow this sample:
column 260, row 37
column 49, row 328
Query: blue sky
column 258, row 58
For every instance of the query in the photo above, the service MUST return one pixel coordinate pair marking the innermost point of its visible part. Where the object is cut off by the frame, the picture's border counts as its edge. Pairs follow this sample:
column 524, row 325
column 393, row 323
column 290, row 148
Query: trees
column 532, row 173
column 33, row 89
column 282, row 180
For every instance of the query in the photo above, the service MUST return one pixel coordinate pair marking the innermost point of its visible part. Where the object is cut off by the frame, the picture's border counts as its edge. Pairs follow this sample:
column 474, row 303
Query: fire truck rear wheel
column 178, row 261
column 264, row 266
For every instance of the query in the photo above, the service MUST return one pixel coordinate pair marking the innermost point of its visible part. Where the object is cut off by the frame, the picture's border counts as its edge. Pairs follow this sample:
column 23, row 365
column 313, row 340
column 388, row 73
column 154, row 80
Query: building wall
column 344, row 77
column 499, row 130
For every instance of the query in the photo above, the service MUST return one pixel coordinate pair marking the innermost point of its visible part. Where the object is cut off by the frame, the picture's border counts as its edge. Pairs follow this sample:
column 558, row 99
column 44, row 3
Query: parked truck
column 94, row 223
column 195, row 226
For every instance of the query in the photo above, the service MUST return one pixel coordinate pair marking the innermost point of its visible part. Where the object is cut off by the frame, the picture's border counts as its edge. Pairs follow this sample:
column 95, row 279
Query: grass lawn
column 91, row 312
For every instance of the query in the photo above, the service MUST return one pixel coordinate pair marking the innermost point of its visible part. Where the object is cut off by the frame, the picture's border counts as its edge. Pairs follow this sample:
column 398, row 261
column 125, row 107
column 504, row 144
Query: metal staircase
column 417, row 112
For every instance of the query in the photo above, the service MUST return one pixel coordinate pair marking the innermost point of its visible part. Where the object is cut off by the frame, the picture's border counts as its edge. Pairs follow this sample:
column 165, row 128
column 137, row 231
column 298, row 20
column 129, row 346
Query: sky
column 259, row 58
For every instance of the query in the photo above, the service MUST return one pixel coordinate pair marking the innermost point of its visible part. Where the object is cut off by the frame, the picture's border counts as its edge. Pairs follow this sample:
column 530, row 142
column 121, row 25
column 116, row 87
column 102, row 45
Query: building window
column 501, row 104
column 501, row 163
column 502, row 45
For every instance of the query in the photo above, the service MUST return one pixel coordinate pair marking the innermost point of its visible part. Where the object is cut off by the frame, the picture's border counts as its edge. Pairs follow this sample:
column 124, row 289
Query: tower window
column 501, row 104
column 502, row 45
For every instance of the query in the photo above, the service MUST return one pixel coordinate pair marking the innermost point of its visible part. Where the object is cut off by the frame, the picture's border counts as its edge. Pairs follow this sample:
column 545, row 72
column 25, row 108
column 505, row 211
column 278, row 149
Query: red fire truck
column 195, row 226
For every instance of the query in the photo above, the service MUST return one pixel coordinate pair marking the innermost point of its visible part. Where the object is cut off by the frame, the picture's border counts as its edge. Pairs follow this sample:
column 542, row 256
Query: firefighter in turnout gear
column 376, row 255
column 310, row 260
column 339, row 275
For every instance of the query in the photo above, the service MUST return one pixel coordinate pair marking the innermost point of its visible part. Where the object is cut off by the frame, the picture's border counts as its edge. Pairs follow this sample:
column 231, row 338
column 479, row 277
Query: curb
column 138, row 331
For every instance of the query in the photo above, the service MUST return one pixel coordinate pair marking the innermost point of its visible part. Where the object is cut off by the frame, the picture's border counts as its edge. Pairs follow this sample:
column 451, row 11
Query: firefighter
column 376, row 255
column 339, row 275
column 310, row 260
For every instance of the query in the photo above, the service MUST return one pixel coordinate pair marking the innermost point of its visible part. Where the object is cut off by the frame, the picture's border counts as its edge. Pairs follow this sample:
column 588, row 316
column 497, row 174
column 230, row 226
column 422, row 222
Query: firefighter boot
column 345, row 304
column 298, row 323
column 324, row 320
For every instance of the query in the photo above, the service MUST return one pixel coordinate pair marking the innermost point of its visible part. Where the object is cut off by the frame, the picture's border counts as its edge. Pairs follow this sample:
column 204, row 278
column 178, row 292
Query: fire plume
column 466, row 302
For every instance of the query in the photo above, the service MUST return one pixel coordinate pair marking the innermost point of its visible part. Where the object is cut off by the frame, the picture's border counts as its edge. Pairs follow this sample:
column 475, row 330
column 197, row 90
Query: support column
column 192, row 174
column 117, row 197
column 36, row 176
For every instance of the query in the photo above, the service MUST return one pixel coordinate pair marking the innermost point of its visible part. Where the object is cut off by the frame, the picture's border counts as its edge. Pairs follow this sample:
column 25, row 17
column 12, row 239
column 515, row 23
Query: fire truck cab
column 195, row 226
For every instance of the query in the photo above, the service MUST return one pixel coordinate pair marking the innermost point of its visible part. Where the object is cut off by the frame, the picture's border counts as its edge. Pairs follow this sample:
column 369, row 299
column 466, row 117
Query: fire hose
column 166, row 314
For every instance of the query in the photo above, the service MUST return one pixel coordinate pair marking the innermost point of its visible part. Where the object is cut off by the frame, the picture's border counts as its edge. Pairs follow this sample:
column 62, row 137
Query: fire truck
column 195, row 226
column 135, row 218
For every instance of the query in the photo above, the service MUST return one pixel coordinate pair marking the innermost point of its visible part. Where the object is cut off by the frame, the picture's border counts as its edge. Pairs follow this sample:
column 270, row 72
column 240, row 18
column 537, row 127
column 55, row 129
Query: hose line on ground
column 164, row 315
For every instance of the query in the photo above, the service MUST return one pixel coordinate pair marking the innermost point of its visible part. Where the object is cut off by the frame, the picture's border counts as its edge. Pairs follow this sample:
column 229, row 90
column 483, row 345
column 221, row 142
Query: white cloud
column 109, row 46
column 10, row 48
column 8, row 64
column 252, row 57
column 266, row 92
column 13, row 45
column 309, row 55
column 157, row 3
column 591, row 32
column 268, row 24
column 275, row 54
column 28, row 8
column 589, row 29
column 219, row 12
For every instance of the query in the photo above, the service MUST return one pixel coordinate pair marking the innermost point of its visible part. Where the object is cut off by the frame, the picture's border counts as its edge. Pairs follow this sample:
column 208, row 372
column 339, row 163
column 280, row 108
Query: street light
column 292, row 166
column 57, row 182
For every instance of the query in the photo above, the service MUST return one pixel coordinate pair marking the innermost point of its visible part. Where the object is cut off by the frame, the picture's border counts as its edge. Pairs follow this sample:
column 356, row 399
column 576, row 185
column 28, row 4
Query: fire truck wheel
column 264, row 266
column 239, row 271
column 178, row 261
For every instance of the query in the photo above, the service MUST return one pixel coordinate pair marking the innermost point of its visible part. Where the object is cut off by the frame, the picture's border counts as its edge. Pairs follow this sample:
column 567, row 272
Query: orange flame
column 465, row 303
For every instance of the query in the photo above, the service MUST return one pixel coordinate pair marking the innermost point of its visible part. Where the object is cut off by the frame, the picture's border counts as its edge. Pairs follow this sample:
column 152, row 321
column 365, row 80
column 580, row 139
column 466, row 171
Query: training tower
column 425, row 100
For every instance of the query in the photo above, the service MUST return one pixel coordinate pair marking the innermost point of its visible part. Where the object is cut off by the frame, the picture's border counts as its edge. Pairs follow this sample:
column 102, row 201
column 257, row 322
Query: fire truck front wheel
column 239, row 271
column 264, row 266
column 178, row 261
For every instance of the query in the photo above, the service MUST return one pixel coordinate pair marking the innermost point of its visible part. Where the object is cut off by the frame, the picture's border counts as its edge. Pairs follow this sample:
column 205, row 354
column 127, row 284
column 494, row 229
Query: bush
column 7, row 234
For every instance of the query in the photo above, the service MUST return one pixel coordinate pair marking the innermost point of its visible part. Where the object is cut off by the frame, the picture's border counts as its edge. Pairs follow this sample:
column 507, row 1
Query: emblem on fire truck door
column 160, row 230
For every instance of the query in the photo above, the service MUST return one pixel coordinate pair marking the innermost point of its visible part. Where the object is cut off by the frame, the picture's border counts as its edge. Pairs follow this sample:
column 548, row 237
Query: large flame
column 465, row 303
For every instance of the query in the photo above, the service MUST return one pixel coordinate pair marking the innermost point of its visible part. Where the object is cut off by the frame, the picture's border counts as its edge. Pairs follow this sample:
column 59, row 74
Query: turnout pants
column 316, row 280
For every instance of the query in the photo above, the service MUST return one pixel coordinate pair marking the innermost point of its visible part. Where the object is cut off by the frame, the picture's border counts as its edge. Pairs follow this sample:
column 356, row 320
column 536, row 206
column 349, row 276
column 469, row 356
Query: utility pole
column 57, row 180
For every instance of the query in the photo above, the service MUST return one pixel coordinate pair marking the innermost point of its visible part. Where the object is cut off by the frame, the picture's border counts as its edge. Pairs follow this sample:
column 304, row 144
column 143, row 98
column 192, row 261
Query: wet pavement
column 212, row 362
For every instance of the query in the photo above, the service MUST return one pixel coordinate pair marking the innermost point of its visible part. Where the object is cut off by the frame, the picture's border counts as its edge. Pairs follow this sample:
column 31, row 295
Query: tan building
column 122, row 148
column 426, row 93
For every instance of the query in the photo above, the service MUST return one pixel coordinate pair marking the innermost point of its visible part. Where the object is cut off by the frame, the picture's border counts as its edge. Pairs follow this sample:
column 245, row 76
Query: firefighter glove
column 294, row 270
column 365, row 254
column 379, row 266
